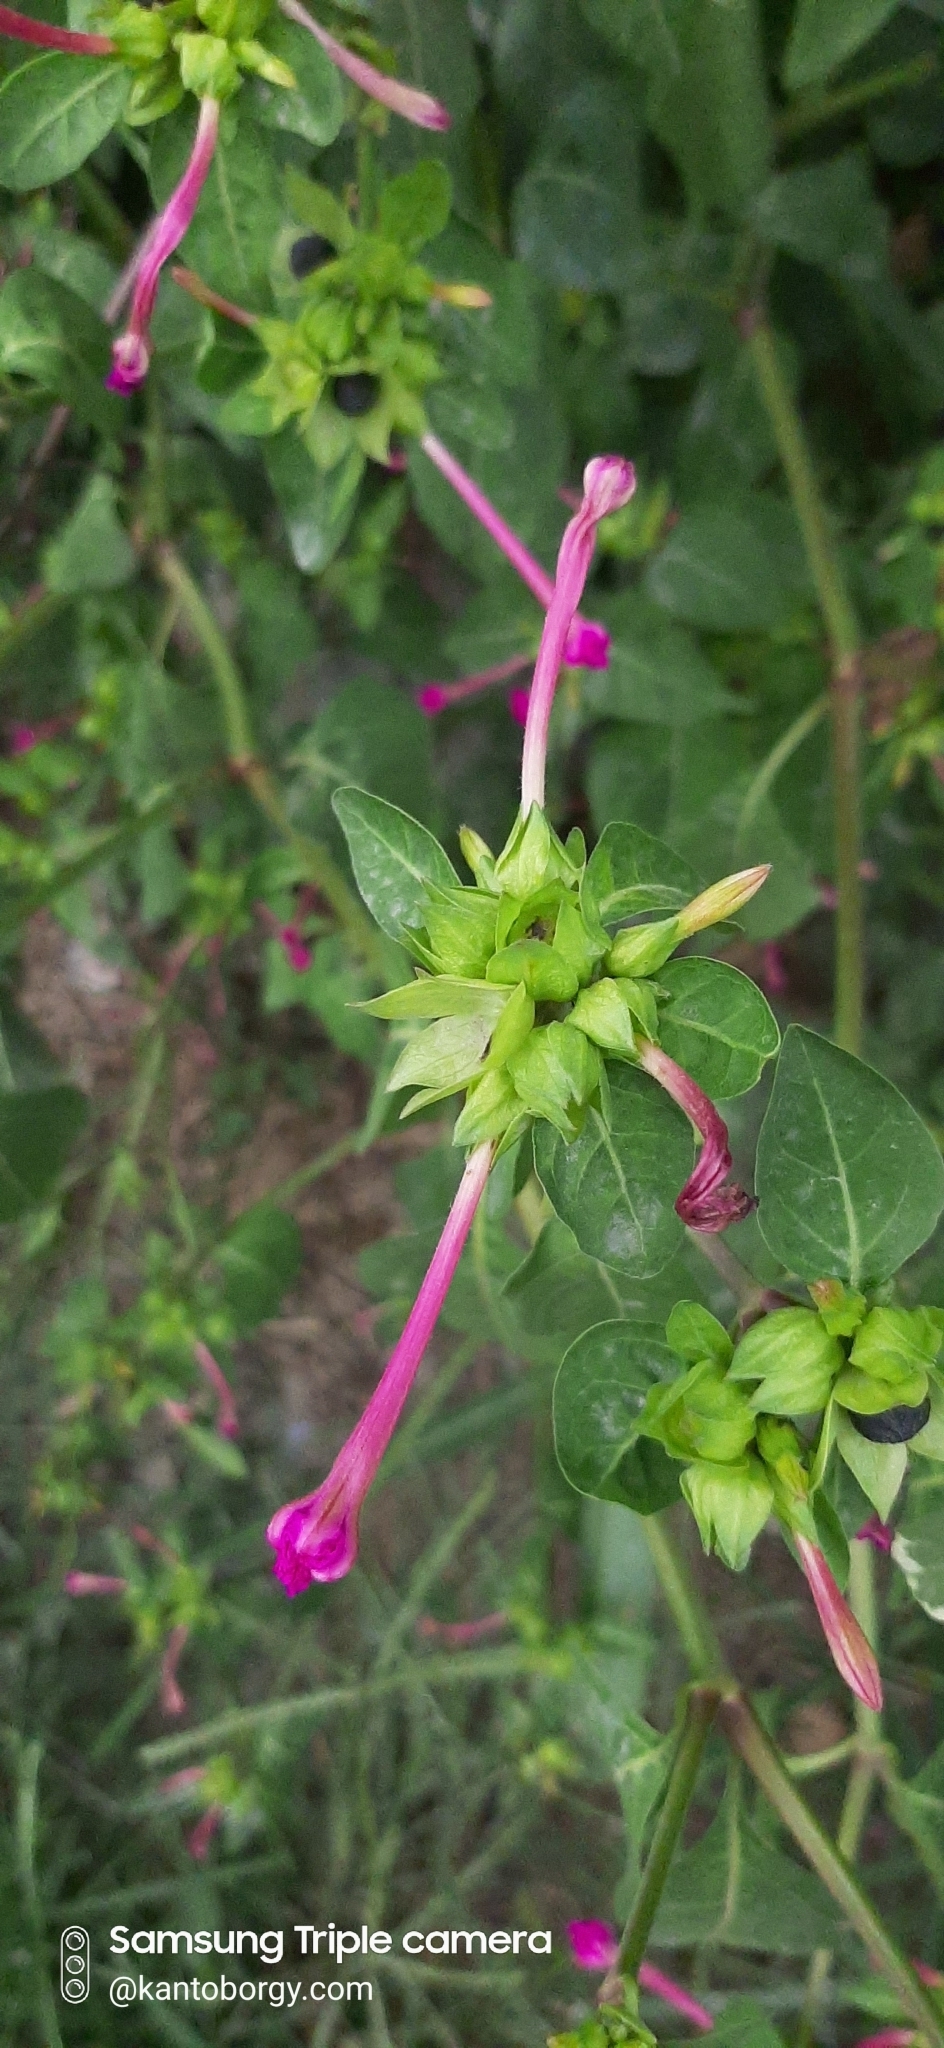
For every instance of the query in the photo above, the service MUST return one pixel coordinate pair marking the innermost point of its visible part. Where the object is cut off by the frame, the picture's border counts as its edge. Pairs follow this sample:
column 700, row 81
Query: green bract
column 529, row 944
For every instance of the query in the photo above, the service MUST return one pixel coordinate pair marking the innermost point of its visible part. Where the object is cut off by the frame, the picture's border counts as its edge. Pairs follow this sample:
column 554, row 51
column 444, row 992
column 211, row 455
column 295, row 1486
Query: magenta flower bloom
column 849, row 1648
column 227, row 1420
column 27, row 30
column 608, row 482
column 594, row 1946
column 880, row 1534
column 418, row 107
column 315, row 1538
column 708, row 1201
column 588, row 645
column 518, row 701
column 80, row 1584
column 131, row 353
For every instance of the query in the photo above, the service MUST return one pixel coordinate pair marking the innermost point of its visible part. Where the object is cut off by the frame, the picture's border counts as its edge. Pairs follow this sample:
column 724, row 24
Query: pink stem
column 227, row 1420
column 26, row 30
column 433, row 697
column 418, row 107
column 131, row 353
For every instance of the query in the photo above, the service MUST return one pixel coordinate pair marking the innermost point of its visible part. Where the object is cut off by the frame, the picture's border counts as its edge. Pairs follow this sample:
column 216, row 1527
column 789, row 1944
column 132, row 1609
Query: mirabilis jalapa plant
column 542, row 1005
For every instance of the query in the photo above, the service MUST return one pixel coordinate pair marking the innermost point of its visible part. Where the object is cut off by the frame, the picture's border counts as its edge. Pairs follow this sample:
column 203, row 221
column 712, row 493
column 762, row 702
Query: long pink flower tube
column 608, row 482
column 131, row 353
column 849, row 1648
column 80, row 1584
column 588, row 645
column 418, row 107
column 315, row 1538
column 708, row 1201
column 433, row 697
column 227, row 1420
column 594, row 1946
column 26, row 30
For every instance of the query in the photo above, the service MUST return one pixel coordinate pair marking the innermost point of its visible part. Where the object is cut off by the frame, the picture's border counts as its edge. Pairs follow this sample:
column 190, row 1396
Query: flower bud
column 782, row 1450
column 851, row 1653
column 603, row 1014
column 461, row 928
column 722, row 900
column 253, row 56
column 643, row 948
column 140, row 35
column 699, row 1416
column 575, row 943
column 555, row 1074
column 207, row 66
column 479, row 859
column 730, row 1503
column 523, row 863
column 544, row 974
column 794, row 1359
column 473, row 297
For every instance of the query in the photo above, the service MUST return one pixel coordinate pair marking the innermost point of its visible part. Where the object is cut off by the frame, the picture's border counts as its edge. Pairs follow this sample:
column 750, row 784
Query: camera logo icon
column 74, row 1964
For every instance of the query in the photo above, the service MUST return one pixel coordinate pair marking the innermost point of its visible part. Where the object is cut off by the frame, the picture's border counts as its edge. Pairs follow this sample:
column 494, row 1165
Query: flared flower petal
column 315, row 1538
column 849, row 1648
column 407, row 100
column 708, row 1201
column 131, row 352
column 608, row 482
column 588, row 644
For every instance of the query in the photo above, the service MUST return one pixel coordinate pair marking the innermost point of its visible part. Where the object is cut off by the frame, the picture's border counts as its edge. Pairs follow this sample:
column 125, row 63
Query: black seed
column 893, row 1425
column 356, row 393
column 309, row 253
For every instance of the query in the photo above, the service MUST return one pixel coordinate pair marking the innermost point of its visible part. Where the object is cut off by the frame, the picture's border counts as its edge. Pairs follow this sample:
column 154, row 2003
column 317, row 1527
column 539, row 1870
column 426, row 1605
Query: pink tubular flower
column 850, row 1650
column 227, row 1420
column 27, row 30
column 315, row 1538
column 131, row 353
column 457, row 1633
column 588, row 645
column 198, row 1841
column 708, row 1201
column 433, row 697
column 594, row 1946
column 79, row 1584
column 878, row 1533
column 173, row 1700
column 608, row 482
column 418, row 107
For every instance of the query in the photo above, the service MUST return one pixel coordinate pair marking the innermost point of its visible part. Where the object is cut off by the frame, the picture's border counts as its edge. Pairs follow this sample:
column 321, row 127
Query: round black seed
column 356, row 393
column 309, row 253
column 893, row 1425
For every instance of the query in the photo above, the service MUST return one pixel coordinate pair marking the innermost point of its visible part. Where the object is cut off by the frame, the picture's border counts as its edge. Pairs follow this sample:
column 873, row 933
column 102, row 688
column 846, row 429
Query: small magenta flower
column 594, row 1946
column 25, row 29
column 80, row 1584
column 227, row 1420
column 708, row 1201
column 588, row 644
column 131, row 353
column 608, row 482
column 407, row 100
column 849, row 1648
column 880, row 1534
column 315, row 1538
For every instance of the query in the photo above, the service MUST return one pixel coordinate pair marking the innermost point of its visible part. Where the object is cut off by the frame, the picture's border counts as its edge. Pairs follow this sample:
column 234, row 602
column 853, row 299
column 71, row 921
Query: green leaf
column 743, row 2024
column 216, row 1451
column 92, row 550
column 713, row 113
column 415, row 207
column 240, row 209
column 918, row 1548
column 25, row 1059
column 850, row 1180
column 617, row 1184
column 599, row 1393
column 734, row 1890
column 825, row 33
column 372, row 735
column 657, row 672
column 827, row 214
column 879, row 1468
column 318, row 505
column 394, row 859
column 316, row 110
column 716, row 572
column 260, row 1257
column 53, row 112
column 629, row 872
column 717, row 1025
column 49, row 334
column 38, row 1128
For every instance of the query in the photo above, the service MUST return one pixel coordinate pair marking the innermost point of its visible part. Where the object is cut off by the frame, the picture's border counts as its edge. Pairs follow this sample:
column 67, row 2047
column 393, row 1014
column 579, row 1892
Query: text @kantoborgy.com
column 272, row 1991
column 339, row 1944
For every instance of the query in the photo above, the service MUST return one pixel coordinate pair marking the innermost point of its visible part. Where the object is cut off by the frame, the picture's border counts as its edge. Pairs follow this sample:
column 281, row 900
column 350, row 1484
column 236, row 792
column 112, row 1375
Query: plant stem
column 689, row 1612
column 814, row 111
column 244, row 764
column 845, row 655
column 701, row 1706
column 364, row 147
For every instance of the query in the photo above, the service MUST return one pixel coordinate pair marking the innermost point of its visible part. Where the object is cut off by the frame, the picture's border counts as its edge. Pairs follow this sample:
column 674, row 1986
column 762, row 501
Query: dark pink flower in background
column 594, row 1946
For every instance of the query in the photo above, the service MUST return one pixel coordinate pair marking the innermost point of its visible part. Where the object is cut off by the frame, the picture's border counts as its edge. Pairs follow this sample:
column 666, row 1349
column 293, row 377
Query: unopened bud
column 471, row 296
column 608, row 482
column 722, row 900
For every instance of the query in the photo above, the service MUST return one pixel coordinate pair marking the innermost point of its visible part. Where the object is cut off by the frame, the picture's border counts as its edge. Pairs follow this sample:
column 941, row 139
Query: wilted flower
column 407, row 100
column 849, row 1648
column 131, row 353
column 708, row 1201
column 878, row 1533
column 315, row 1538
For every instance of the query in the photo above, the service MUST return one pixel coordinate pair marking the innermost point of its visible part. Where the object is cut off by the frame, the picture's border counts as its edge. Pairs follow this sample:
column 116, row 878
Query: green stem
column 28, row 1760
column 846, row 686
column 746, row 1735
column 366, row 181
column 688, row 1609
column 317, row 861
column 763, row 782
column 814, row 111
column 96, row 200
column 701, row 1706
